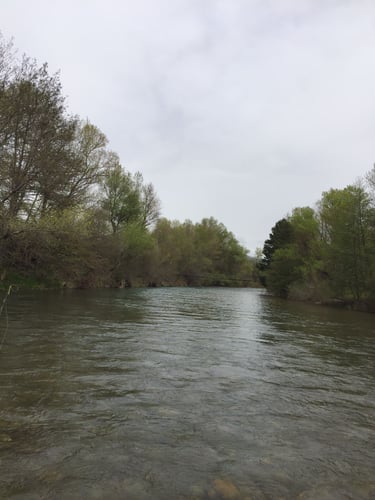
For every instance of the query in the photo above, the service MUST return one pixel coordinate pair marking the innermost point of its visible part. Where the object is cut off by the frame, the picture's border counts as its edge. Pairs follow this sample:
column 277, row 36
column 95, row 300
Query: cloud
column 240, row 110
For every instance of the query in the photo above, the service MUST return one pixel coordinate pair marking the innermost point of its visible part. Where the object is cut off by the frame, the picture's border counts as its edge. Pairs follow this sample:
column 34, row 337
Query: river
column 184, row 393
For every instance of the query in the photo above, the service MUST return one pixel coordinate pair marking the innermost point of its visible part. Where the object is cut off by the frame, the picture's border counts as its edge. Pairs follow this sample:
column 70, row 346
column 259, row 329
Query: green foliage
column 70, row 215
column 205, row 253
column 60, row 249
column 325, row 254
column 135, row 258
column 35, row 137
column 121, row 198
column 347, row 227
column 285, row 269
column 48, row 160
column 126, row 199
column 281, row 235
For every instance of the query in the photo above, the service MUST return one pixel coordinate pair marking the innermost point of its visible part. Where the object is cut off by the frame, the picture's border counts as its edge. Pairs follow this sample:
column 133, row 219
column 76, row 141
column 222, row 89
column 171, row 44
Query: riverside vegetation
column 71, row 215
column 328, row 254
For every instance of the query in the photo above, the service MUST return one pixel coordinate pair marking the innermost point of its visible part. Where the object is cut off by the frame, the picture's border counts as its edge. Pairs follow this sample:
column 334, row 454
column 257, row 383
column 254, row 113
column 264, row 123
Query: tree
column 306, row 239
column 292, row 259
column 68, row 173
column 150, row 203
column 205, row 253
column 34, row 134
column 346, row 217
column 91, row 162
column 48, row 159
column 121, row 199
column 284, row 271
column 126, row 198
column 169, row 246
column 135, row 263
column 280, row 236
column 226, row 260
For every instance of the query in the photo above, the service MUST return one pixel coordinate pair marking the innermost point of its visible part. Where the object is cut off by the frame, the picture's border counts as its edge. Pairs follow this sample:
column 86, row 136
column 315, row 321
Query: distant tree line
column 71, row 215
column 326, row 254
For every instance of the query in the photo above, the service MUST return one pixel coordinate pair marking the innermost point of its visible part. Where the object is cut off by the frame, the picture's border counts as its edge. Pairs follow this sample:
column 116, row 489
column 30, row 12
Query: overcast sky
column 236, row 109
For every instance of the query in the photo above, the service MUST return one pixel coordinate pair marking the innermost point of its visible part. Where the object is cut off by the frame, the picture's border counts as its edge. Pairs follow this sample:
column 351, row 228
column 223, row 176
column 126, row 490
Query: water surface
column 170, row 393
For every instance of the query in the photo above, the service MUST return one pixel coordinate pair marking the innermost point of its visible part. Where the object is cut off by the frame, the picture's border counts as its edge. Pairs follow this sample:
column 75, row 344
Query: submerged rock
column 222, row 489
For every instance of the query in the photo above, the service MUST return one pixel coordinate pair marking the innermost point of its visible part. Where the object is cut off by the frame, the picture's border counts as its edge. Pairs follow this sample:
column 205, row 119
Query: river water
column 183, row 393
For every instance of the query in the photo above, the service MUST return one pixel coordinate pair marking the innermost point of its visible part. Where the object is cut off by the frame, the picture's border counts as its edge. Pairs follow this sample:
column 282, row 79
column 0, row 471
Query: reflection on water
column 185, row 393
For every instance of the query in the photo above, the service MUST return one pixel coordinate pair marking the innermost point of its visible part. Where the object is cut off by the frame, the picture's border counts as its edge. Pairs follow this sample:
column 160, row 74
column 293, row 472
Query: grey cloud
column 237, row 109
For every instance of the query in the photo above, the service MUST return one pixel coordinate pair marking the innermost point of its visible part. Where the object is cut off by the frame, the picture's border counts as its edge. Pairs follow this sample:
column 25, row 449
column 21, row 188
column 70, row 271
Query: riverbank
column 350, row 305
column 366, row 306
column 320, row 293
column 32, row 283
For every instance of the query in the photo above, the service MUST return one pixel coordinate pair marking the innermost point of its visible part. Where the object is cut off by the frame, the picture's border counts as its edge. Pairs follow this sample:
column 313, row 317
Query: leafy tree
column 35, row 135
column 205, row 253
column 70, row 214
column 62, row 248
column 280, row 236
column 48, row 160
column 292, row 261
column 306, row 240
column 121, row 197
column 226, row 259
column 150, row 203
column 284, row 271
column 127, row 199
column 89, row 162
column 169, row 248
column 346, row 217
column 135, row 262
